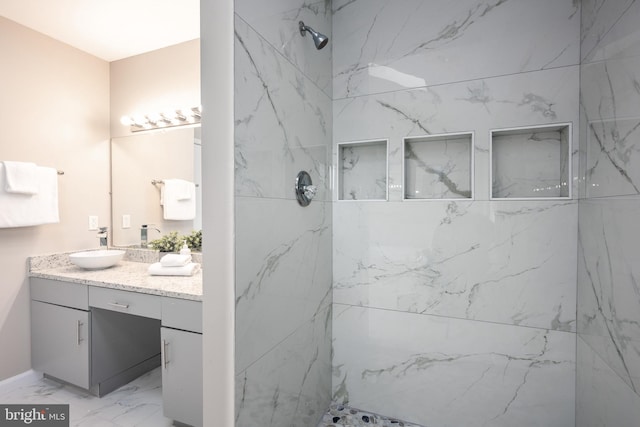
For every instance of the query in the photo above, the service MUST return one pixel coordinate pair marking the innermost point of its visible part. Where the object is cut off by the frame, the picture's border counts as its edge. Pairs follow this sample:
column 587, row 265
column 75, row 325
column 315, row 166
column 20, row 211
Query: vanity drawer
column 67, row 294
column 144, row 305
column 182, row 314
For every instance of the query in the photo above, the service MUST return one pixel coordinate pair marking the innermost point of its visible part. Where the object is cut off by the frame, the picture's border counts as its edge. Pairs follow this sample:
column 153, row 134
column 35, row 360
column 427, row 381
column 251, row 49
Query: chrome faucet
column 144, row 234
column 102, row 234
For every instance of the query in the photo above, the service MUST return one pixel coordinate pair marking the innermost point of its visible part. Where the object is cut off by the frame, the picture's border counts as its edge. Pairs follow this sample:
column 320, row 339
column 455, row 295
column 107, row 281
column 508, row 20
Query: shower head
column 319, row 39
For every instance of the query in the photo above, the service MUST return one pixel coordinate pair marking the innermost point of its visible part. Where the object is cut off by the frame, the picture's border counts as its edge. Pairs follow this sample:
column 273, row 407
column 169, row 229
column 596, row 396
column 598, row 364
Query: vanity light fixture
column 167, row 119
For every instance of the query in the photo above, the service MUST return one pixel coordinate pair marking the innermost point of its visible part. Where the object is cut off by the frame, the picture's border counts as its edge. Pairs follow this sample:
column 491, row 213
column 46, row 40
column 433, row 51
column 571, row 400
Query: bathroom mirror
column 136, row 161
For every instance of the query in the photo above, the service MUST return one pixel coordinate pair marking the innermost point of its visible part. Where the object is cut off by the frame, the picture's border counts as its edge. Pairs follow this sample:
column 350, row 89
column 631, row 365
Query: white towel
column 178, row 198
column 16, row 210
column 21, row 177
column 175, row 260
column 156, row 269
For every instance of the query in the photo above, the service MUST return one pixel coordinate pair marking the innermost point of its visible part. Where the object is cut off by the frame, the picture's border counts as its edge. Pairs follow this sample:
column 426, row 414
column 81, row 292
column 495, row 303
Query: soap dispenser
column 185, row 249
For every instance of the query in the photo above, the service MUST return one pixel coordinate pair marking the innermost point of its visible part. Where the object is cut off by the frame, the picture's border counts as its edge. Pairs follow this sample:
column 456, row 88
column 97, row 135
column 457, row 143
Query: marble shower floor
column 344, row 416
column 137, row 404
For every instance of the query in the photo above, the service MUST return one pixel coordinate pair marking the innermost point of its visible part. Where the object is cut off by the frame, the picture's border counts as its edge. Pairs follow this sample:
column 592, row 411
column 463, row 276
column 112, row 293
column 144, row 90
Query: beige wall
column 54, row 111
column 153, row 82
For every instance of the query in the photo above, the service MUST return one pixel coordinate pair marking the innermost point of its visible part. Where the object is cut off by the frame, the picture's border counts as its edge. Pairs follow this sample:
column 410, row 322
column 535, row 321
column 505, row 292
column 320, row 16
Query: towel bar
column 159, row 181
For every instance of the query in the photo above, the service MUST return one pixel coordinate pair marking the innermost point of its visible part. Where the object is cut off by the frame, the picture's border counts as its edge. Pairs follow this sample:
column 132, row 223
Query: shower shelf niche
column 362, row 172
column 531, row 162
column 438, row 167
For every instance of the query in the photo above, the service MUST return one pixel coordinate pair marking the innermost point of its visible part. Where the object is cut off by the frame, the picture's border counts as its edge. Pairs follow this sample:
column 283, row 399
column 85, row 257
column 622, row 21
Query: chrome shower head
column 319, row 39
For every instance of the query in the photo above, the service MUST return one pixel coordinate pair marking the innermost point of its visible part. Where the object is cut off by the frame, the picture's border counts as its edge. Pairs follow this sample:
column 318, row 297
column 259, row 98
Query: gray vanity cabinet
column 101, row 338
column 181, row 336
column 182, row 376
column 60, row 328
column 60, row 344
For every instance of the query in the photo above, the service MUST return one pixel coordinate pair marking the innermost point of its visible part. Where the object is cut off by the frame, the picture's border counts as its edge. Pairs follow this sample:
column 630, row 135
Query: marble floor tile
column 137, row 404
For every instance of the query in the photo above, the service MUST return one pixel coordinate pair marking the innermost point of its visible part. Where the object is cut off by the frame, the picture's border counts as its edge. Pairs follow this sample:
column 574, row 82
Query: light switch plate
column 93, row 222
column 126, row 221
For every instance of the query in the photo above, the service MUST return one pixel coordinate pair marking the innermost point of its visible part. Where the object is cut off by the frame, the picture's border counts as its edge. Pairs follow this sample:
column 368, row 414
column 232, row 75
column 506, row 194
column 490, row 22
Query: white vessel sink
column 96, row 260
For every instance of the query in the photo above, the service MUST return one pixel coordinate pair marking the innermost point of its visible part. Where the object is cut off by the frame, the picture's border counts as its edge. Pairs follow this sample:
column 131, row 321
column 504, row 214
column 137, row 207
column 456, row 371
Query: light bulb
column 154, row 118
column 139, row 120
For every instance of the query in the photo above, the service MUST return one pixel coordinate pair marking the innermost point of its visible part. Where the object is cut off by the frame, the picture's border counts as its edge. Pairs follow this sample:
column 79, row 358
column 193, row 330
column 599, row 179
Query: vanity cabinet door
column 60, row 342
column 182, row 376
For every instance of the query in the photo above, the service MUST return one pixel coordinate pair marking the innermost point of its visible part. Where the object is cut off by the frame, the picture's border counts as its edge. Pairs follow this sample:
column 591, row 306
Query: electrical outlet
column 93, row 222
column 126, row 221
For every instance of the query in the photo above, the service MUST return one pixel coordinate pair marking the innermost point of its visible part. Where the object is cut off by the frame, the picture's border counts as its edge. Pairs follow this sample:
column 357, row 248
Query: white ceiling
column 109, row 29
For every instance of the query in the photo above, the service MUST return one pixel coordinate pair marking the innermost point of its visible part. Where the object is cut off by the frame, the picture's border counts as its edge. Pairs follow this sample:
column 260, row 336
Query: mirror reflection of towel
column 178, row 199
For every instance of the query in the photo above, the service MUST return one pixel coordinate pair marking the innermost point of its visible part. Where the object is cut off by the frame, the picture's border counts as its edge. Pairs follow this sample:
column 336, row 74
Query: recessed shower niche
column 438, row 166
column 531, row 162
column 363, row 170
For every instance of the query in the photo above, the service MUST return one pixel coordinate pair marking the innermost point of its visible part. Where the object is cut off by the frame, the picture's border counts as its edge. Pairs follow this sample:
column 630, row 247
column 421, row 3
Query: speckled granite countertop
column 126, row 275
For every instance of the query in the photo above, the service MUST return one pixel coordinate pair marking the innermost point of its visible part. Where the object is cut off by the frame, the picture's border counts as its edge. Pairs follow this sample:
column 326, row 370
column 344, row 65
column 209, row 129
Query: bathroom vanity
column 100, row 329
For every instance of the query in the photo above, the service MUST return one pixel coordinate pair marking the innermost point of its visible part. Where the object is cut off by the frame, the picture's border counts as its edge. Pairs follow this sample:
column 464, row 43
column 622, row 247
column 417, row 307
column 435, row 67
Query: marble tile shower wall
column 283, row 251
column 608, row 322
column 455, row 312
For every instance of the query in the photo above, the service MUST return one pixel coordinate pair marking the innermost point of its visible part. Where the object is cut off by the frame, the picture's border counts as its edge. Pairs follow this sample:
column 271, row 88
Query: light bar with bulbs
column 167, row 119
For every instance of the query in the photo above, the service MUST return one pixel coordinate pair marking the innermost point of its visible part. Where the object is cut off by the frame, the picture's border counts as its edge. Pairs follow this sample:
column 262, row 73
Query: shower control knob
column 310, row 191
column 305, row 190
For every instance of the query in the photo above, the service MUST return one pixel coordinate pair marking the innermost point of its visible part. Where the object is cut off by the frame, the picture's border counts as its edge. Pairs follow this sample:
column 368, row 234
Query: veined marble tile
column 527, row 99
column 531, row 162
column 387, row 45
column 602, row 398
column 622, row 40
column 138, row 403
column 440, row 371
column 277, row 22
column 283, row 271
column 598, row 17
column 608, row 283
column 609, row 89
column 510, row 262
column 613, row 157
column 362, row 171
column 282, row 122
column 610, row 99
column 291, row 385
column 438, row 167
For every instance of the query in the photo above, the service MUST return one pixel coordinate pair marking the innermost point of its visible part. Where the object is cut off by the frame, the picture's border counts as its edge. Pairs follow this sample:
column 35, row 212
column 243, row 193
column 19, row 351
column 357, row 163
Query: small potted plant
column 168, row 243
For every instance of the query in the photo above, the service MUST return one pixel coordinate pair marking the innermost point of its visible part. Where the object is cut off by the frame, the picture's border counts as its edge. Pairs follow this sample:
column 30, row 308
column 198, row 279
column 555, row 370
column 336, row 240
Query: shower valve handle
column 310, row 191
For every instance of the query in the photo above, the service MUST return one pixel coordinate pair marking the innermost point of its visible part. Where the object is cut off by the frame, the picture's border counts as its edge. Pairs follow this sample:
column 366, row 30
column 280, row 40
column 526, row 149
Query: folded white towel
column 156, row 269
column 178, row 198
column 17, row 210
column 21, row 177
column 175, row 260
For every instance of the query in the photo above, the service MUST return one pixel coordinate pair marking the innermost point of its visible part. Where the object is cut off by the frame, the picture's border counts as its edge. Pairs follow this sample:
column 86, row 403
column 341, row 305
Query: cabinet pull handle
column 78, row 338
column 118, row 305
column 163, row 354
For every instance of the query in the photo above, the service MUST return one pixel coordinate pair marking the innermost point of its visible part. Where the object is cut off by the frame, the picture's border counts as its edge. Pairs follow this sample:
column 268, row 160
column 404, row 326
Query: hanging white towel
column 21, row 177
column 17, row 210
column 178, row 199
